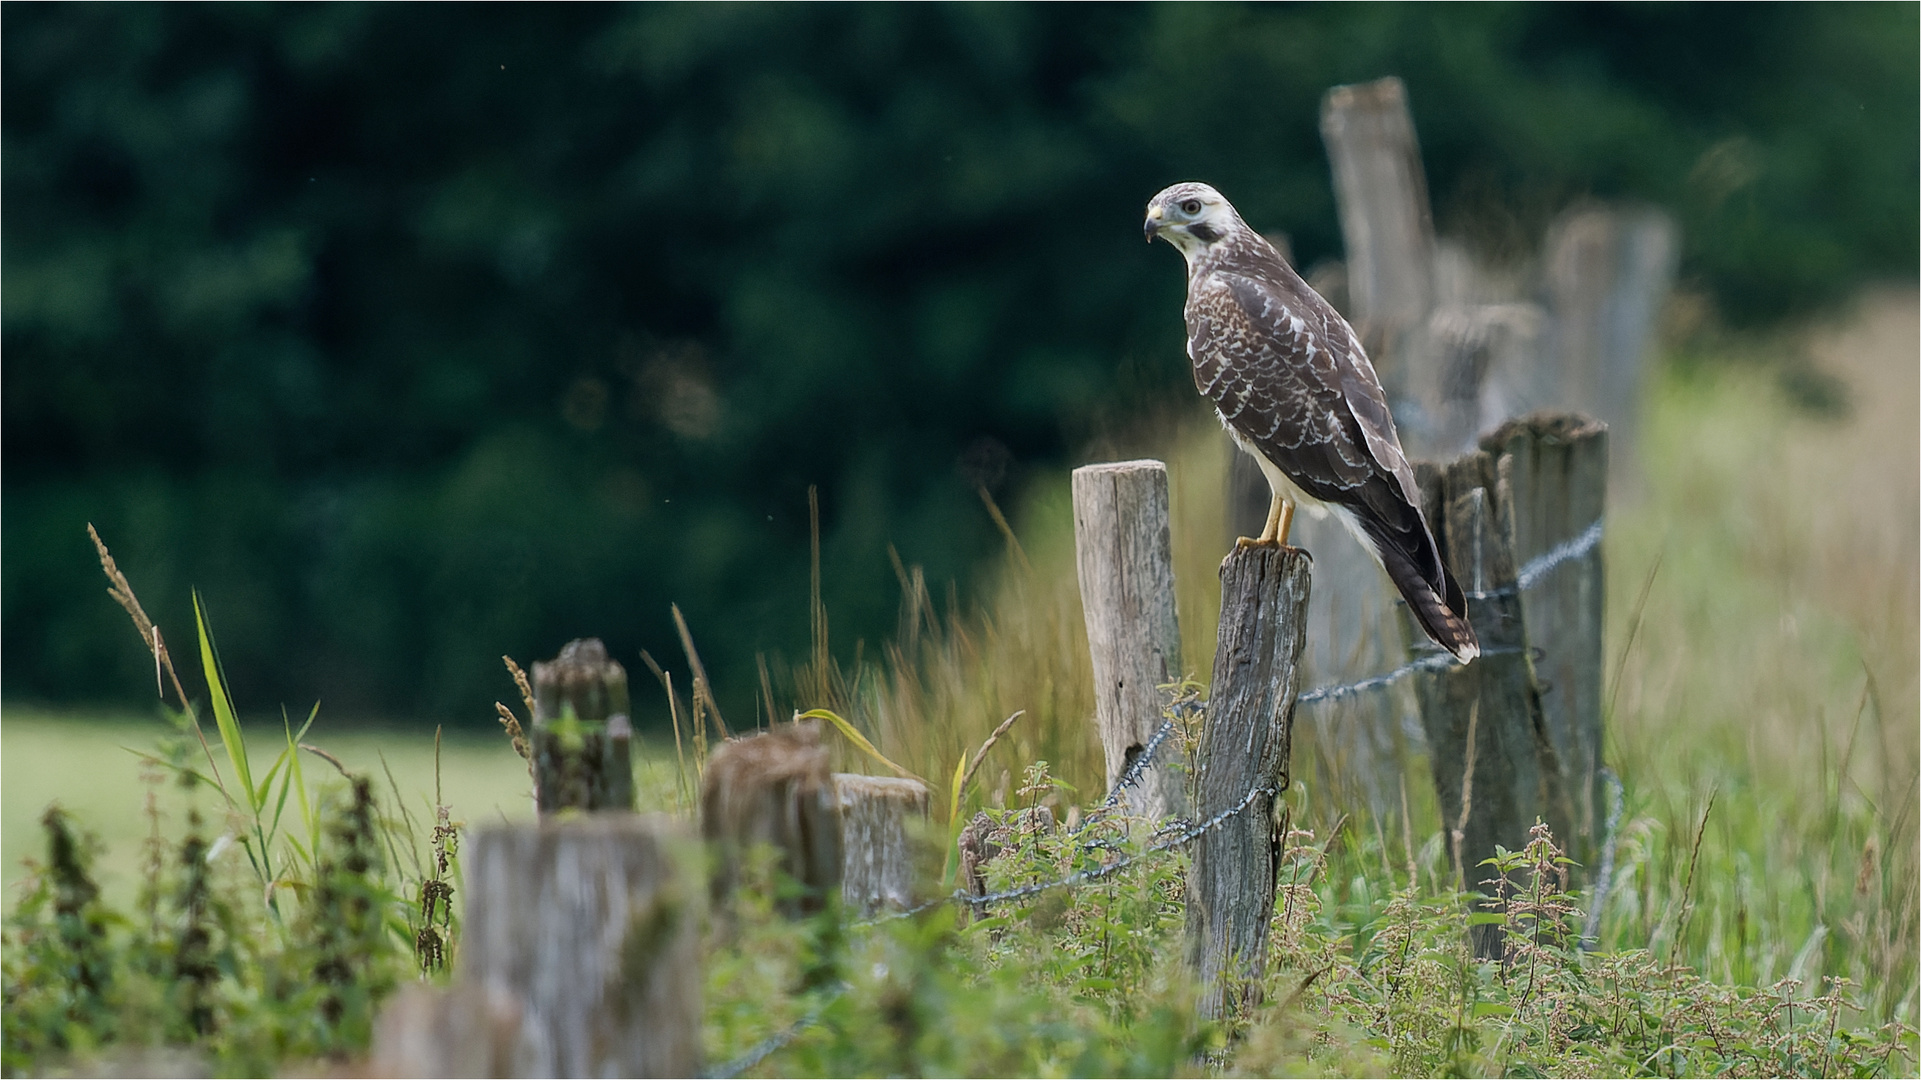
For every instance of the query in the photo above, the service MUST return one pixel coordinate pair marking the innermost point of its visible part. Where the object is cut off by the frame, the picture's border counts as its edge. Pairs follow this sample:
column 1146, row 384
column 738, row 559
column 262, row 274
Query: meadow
column 1763, row 705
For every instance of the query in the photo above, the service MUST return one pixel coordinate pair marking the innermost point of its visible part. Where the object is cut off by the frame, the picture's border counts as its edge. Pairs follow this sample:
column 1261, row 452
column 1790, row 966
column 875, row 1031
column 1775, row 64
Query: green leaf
column 1492, row 1008
column 859, row 740
column 1486, row 918
column 294, row 771
column 992, row 922
column 223, row 713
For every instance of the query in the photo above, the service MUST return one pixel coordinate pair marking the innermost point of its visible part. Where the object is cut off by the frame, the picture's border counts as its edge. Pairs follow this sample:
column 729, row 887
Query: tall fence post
column 1555, row 469
column 1244, row 752
column 582, row 736
column 1607, row 273
column 1494, row 765
column 1124, row 554
column 1387, row 227
column 580, row 956
column 877, row 855
column 1388, row 231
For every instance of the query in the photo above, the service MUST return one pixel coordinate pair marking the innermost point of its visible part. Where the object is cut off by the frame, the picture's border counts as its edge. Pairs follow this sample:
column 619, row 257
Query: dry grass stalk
column 1459, row 832
column 981, row 754
column 122, row 592
column 704, row 703
column 526, row 688
column 1687, row 890
column 666, row 679
column 514, row 732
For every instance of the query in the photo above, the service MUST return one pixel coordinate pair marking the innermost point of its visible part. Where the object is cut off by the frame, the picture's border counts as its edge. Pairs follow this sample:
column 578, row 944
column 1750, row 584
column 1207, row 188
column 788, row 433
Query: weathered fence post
column 1124, row 554
column 1244, row 752
column 774, row 788
column 1388, row 230
column 1381, row 193
column 1554, row 467
column 1495, row 770
column 579, row 957
column 1607, row 273
column 877, row 855
column 582, row 735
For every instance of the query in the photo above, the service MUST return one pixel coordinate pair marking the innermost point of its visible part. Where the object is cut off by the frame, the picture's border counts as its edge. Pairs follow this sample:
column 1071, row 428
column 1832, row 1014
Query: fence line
column 1539, row 566
column 1529, row 574
column 778, row 1040
column 1591, row 933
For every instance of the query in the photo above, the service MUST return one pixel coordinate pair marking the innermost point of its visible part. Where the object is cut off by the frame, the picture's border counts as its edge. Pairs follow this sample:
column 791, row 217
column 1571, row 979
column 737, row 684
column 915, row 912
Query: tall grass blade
column 223, row 713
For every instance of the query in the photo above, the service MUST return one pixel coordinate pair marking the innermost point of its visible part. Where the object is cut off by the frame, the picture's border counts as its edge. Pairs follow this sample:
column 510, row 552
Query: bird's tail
column 1438, row 606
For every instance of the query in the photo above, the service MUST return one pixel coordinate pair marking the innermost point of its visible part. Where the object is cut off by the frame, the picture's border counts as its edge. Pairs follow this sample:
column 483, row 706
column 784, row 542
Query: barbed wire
column 778, row 1040
column 1186, row 834
column 1591, row 933
column 1136, row 768
column 1539, row 566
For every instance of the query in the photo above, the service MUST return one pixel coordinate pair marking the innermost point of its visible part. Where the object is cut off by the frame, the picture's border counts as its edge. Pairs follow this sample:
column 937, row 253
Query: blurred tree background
column 417, row 334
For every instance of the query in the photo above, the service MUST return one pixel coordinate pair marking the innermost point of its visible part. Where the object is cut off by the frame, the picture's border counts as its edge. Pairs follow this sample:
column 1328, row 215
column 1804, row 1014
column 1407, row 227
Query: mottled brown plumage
column 1295, row 389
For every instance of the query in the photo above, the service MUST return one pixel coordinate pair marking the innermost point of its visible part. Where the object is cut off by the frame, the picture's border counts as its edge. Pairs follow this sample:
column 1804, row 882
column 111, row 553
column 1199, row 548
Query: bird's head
column 1191, row 217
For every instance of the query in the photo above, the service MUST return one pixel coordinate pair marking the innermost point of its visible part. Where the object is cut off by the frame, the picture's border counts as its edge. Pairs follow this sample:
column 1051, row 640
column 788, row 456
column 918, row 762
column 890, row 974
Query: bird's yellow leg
column 1280, row 518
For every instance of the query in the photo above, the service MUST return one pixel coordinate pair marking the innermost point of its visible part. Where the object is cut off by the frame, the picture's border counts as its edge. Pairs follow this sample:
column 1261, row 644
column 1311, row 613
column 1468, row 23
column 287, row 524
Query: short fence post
column 1555, row 465
column 877, row 852
column 1244, row 749
column 582, row 734
column 580, row 956
column 1125, row 558
column 1495, row 770
column 774, row 788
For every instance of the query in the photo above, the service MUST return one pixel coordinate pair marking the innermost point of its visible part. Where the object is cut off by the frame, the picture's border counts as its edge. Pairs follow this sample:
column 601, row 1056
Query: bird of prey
column 1293, row 387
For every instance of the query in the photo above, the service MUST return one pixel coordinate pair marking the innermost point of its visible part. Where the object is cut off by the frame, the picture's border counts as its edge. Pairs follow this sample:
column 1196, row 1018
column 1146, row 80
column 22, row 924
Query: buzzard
column 1293, row 387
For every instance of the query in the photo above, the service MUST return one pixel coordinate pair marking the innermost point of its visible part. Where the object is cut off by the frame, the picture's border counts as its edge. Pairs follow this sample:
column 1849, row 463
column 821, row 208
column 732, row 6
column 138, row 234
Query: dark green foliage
column 212, row 972
column 344, row 930
column 60, row 963
column 416, row 335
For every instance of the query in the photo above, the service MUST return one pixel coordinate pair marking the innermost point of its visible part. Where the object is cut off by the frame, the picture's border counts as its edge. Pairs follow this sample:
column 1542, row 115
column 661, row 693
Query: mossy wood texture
column 1487, row 713
column 582, row 737
column 1245, row 745
column 1123, row 550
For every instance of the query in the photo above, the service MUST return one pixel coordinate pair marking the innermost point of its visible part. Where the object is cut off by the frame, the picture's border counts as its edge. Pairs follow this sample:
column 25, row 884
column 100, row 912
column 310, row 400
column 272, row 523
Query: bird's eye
column 1191, row 207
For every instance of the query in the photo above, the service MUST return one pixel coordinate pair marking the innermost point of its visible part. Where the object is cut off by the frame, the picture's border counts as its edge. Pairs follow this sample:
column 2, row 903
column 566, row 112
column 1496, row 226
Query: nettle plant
column 243, row 964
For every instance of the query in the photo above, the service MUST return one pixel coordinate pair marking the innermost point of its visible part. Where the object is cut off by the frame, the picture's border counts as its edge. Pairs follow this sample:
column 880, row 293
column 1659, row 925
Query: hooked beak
column 1152, row 226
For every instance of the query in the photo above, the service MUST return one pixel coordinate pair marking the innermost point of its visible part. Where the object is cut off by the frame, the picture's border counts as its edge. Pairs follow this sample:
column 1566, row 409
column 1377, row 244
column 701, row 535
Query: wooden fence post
column 582, row 735
column 774, row 788
column 1554, row 465
column 580, row 956
column 1388, row 230
column 1387, row 227
column 1495, row 770
column 877, row 854
column 1244, row 747
column 1125, row 559
column 1607, row 273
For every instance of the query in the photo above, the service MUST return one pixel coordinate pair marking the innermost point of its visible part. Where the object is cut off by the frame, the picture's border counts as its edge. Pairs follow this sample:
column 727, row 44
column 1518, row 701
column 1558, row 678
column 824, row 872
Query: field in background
column 1762, row 621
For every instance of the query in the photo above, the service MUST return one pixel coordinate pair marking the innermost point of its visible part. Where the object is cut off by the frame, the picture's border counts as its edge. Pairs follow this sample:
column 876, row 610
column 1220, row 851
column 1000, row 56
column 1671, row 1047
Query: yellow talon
column 1280, row 520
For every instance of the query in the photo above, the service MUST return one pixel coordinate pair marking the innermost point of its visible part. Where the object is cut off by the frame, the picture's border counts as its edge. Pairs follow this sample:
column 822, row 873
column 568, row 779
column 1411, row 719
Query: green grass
column 1762, row 635
column 80, row 762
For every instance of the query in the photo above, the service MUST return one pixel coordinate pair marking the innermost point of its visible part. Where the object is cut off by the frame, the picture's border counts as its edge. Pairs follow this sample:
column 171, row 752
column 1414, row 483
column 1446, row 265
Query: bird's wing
column 1288, row 375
